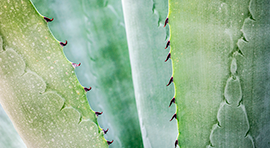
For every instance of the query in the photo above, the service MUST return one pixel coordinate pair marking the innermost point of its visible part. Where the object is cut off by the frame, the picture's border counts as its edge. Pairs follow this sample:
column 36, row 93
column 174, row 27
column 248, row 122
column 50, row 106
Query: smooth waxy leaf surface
column 220, row 53
column 96, row 35
column 9, row 136
column 146, row 40
column 39, row 90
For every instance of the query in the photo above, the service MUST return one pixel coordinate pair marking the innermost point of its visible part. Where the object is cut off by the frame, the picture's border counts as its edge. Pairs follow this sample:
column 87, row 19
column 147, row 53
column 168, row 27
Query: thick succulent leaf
column 39, row 90
column 97, row 39
column 220, row 53
column 146, row 40
column 254, row 72
column 9, row 136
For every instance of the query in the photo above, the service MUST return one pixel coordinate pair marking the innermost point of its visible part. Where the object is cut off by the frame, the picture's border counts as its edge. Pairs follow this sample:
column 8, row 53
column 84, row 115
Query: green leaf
column 146, row 40
column 9, row 136
column 97, row 39
column 254, row 72
column 220, row 57
column 39, row 90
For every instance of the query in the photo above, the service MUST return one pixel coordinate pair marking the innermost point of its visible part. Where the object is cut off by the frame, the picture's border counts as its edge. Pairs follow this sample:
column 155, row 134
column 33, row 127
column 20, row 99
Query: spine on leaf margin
column 39, row 90
column 235, row 76
column 63, row 44
column 171, row 79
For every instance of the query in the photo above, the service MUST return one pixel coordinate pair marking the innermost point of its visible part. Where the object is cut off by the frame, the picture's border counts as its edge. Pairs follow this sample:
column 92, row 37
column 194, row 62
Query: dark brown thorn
column 174, row 116
column 98, row 113
column 76, row 65
column 166, row 22
column 172, row 101
column 47, row 19
column 171, row 80
column 110, row 142
column 176, row 143
column 87, row 89
column 168, row 44
column 105, row 131
column 63, row 44
column 168, row 56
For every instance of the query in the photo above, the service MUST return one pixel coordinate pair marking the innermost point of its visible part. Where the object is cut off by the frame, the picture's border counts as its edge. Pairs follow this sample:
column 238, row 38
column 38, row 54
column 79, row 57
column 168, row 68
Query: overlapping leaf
column 96, row 38
column 220, row 53
column 146, row 40
column 39, row 90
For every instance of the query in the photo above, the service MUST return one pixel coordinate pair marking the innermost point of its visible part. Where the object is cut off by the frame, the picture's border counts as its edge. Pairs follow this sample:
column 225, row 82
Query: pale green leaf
column 146, row 40
column 39, row 90
column 220, row 53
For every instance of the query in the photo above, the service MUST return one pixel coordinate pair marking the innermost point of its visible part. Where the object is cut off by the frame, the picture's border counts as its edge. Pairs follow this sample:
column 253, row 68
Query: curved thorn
column 168, row 56
column 76, row 65
column 110, row 142
column 166, row 22
column 172, row 101
column 174, row 116
column 47, row 19
column 105, row 131
column 63, row 44
column 171, row 80
column 176, row 143
column 98, row 113
column 87, row 89
column 168, row 44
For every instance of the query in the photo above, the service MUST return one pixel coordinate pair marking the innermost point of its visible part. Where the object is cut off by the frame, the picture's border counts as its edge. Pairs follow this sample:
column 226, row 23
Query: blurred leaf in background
column 9, row 136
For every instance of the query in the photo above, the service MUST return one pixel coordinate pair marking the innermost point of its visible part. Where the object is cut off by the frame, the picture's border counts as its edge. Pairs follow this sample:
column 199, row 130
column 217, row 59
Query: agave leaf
column 97, row 39
column 254, row 72
column 220, row 53
column 39, row 90
column 146, row 40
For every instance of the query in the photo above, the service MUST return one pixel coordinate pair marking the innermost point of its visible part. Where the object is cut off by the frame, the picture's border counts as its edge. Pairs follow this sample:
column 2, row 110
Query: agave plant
column 92, row 73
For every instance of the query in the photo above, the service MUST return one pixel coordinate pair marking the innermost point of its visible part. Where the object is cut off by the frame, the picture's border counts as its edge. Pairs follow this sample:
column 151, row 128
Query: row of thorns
column 85, row 88
column 88, row 89
column 171, row 79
